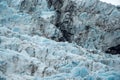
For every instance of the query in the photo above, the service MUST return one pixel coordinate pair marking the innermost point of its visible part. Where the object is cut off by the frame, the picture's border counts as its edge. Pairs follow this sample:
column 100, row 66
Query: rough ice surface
column 58, row 40
column 89, row 23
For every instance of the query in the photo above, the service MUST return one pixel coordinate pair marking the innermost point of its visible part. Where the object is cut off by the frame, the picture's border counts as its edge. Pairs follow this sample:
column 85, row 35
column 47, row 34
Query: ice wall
column 89, row 23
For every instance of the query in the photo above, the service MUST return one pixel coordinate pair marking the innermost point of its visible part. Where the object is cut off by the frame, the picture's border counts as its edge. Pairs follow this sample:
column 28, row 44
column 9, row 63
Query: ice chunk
column 80, row 71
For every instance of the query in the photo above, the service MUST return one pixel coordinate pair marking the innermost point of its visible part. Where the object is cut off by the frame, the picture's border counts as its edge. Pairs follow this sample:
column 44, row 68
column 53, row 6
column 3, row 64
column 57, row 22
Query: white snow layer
column 114, row 2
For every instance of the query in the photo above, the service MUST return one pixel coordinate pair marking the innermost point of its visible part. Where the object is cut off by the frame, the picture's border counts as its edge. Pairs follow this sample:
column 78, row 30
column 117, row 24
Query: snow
column 114, row 2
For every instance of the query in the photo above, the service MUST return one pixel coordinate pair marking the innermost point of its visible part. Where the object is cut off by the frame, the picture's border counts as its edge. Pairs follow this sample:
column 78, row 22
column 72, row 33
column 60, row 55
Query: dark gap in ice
column 113, row 50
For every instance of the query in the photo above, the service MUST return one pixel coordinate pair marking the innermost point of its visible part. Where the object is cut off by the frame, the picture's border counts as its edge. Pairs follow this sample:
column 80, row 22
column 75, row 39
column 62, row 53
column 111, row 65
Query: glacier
column 59, row 40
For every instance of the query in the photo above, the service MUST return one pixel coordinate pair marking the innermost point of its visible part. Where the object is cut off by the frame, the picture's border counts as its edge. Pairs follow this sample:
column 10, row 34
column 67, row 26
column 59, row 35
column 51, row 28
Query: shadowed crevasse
column 113, row 50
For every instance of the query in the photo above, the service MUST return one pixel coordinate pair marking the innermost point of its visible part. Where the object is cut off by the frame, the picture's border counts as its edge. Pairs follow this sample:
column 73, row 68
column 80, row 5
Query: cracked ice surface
column 28, row 53
column 38, row 57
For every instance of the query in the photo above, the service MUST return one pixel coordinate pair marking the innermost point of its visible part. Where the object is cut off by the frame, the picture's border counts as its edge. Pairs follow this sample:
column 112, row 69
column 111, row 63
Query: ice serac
column 26, row 57
column 31, row 35
column 29, row 17
column 90, row 23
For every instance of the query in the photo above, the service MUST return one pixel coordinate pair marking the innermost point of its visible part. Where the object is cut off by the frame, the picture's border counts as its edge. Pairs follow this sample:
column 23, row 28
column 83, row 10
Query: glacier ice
column 80, row 71
column 58, row 40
